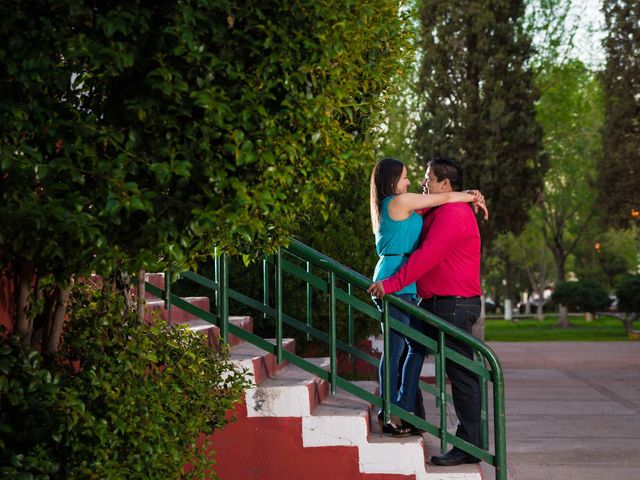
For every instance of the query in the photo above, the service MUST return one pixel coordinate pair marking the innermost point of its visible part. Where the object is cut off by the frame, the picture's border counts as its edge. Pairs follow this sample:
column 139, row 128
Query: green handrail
column 297, row 251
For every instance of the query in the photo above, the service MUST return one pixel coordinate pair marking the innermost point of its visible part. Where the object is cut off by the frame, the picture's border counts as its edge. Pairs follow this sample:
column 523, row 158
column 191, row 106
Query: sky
column 589, row 19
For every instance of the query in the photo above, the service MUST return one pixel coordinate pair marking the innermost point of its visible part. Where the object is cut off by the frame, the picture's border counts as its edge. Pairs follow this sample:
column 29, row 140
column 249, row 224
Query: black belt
column 395, row 255
column 449, row 297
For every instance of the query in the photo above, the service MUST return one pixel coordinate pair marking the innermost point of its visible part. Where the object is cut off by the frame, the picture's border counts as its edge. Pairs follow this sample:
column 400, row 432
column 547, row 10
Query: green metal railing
column 322, row 274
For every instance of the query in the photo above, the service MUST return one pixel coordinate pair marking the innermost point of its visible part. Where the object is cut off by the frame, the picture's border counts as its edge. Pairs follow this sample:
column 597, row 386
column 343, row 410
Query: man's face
column 430, row 184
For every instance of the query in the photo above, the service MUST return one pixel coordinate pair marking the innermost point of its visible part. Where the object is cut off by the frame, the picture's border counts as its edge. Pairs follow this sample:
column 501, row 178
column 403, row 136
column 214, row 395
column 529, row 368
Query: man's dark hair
column 444, row 167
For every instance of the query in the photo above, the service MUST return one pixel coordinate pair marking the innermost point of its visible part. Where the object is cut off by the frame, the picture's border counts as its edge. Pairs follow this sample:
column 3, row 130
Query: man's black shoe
column 454, row 456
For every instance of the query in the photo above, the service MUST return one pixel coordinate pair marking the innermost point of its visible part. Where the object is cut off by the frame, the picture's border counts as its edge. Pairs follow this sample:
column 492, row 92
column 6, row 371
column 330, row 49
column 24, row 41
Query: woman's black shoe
column 392, row 429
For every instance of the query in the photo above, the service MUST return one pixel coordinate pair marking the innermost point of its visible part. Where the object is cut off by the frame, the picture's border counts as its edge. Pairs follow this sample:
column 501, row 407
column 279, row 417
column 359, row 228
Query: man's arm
column 444, row 232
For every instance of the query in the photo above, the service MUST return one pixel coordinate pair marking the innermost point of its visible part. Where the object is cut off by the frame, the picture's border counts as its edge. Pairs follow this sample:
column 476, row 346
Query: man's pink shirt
column 447, row 262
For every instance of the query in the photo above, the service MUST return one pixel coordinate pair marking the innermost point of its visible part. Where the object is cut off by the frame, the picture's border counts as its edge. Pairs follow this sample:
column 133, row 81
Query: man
column 446, row 269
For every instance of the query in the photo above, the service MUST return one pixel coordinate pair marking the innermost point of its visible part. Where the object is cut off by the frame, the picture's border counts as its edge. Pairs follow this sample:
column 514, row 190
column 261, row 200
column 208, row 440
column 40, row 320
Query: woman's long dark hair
column 384, row 179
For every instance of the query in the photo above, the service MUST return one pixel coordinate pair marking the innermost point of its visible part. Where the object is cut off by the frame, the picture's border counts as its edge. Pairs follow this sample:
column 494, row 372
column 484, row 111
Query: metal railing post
column 216, row 280
column 499, row 425
column 279, row 306
column 484, row 414
column 350, row 326
column 167, row 294
column 309, row 304
column 334, row 333
column 265, row 284
column 441, row 366
column 224, row 297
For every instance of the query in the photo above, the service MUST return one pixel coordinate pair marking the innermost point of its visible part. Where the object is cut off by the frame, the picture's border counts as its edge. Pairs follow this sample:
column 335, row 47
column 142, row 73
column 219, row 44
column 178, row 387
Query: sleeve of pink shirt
column 446, row 228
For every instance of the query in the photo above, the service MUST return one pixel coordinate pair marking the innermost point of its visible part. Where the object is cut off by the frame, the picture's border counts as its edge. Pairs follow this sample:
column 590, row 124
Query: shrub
column 585, row 296
column 129, row 400
column 628, row 293
column 37, row 414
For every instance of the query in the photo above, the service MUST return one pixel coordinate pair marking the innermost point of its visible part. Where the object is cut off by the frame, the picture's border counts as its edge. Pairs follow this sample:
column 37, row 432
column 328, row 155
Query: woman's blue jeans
column 405, row 376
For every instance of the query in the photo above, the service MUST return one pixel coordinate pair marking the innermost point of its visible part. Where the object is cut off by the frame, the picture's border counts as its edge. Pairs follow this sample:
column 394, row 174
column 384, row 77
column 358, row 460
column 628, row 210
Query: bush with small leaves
column 130, row 400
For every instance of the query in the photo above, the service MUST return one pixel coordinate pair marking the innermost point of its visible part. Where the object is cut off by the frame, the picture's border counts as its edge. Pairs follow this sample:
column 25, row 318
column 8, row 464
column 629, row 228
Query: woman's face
column 403, row 183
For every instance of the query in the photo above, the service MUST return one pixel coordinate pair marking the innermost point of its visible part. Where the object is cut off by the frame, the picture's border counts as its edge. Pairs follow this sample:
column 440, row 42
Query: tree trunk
column 508, row 300
column 627, row 321
column 141, row 295
column 62, row 299
column 46, row 317
column 508, row 309
column 527, row 304
column 23, row 322
column 123, row 287
column 539, row 312
column 563, row 320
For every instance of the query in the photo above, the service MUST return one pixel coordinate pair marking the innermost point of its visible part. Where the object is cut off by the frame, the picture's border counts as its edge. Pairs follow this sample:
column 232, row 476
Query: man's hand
column 376, row 289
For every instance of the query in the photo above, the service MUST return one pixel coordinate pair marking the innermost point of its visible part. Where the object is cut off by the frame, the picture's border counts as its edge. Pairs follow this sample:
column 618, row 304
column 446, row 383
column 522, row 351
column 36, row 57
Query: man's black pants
column 465, row 385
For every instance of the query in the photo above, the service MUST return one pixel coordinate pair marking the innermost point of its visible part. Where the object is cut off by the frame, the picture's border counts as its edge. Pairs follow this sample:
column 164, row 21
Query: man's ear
column 446, row 185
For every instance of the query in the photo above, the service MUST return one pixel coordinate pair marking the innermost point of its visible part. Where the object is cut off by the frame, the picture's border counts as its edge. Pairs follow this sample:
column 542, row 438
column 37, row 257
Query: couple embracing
column 429, row 249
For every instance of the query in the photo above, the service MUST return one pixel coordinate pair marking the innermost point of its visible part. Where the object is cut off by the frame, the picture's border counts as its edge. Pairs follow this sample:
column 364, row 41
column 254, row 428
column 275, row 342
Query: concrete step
column 213, row 331
column 175, row 314
column 344, row 419
column 155, row 279
column 292, row 392
column 260, row 364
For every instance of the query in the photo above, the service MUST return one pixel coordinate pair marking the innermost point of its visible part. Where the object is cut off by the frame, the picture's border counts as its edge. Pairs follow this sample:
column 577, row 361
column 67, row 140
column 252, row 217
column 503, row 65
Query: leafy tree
column 144, row 134
column 584, row 295
column 628, row 293
column 530, row 253
column 608, row 258
column 619, row 172
column 477, row 103
column 570, row 111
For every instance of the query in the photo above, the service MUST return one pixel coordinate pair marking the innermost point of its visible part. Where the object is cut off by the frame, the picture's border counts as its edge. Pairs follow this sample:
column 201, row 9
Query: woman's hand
column 479, row 202
column 376, row 289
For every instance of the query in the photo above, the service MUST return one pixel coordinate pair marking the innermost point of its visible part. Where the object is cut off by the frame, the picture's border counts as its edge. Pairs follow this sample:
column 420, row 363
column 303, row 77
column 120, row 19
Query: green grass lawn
column 603, row 329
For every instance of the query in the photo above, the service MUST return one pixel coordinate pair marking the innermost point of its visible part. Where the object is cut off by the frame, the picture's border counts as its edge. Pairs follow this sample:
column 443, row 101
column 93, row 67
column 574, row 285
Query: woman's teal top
column 395, row 237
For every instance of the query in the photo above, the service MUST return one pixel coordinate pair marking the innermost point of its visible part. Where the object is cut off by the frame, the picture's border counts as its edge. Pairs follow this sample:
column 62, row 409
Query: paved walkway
column 572, row 409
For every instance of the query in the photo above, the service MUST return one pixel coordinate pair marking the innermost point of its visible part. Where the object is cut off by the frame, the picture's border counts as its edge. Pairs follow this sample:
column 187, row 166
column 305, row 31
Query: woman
column 397, row 226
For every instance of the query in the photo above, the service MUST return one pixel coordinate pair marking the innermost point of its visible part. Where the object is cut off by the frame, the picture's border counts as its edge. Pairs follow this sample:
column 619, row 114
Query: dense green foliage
column 477, row 103
column 619, row 172
column 37, row 414
column 628, row 293
column 144, row 134
column 608, row 259
column 584, row 296
column 157, row 131
column 133, row 409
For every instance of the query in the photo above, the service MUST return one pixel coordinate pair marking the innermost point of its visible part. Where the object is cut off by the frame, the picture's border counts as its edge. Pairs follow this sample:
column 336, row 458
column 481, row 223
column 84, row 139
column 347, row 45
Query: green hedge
column 585, row 295
column 123, row 399
column 148, row 133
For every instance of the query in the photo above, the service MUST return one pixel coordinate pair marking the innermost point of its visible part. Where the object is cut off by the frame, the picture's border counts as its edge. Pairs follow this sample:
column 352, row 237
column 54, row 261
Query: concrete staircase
column 289, row 426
